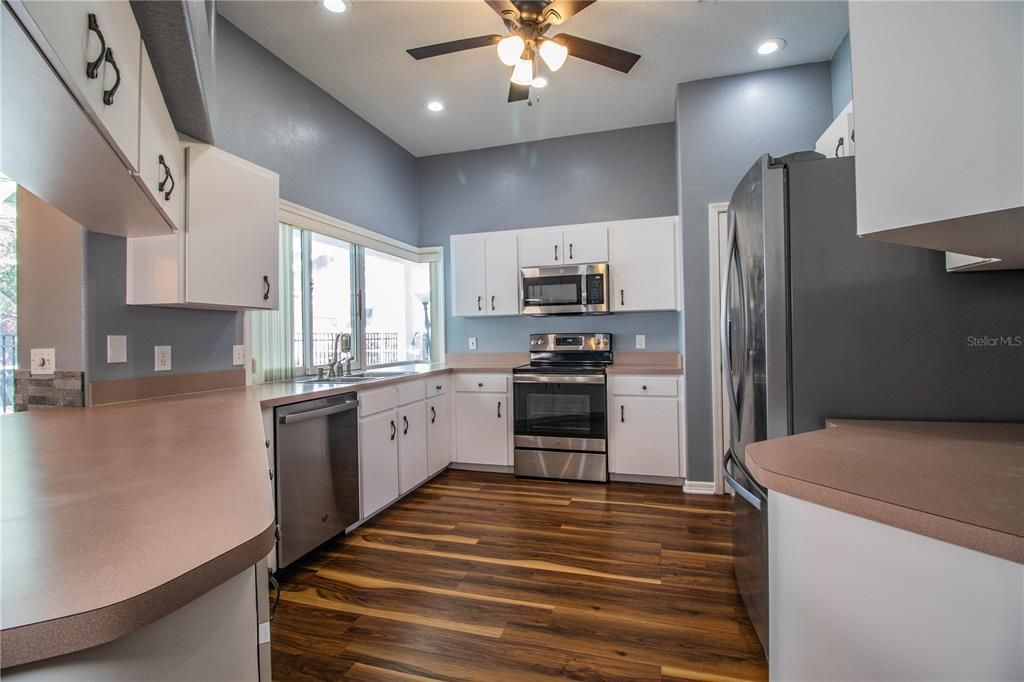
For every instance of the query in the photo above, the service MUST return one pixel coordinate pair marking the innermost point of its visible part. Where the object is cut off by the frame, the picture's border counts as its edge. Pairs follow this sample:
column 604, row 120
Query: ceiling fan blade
column 517, row 93
column 508, row 12
column 605, row 55
column 560, row 10
column 453, row 46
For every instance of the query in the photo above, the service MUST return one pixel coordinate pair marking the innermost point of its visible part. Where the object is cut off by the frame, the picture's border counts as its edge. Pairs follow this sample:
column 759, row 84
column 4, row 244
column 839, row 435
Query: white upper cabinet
column 502, row 276
column 161, row 157
column 98, row 45
column 643, row 265
column 485, row 275
column 227, row 256
column 541, row 247
column 939, row 93
column 586, row 244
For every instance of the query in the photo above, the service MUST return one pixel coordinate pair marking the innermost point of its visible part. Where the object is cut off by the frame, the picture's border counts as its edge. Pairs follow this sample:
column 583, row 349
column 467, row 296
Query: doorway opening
column 8, row 291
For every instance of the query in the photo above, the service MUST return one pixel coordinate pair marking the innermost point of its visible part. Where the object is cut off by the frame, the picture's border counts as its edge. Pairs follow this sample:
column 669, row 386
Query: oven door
column 560, row 412
column 564, row 289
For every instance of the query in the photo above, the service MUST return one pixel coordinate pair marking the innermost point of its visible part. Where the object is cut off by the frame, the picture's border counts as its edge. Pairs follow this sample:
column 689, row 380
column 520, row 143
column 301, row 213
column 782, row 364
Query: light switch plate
column 472, row 343
column 238, row 355
column 161, row 358
column 43, row 360
column 641, row 341
column 117, row 348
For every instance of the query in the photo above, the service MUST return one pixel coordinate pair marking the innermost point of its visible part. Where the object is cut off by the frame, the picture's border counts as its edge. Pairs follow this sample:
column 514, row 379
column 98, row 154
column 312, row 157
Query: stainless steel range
column 560, row 407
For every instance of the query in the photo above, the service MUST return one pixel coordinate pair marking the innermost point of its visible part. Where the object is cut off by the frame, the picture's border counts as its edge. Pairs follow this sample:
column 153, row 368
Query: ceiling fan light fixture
column 539, row 81
column 510, row 49
column 522, row 74
column 554, row 54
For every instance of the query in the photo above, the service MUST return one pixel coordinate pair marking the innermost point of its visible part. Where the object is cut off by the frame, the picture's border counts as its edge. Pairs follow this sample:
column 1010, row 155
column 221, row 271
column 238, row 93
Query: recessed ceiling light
column 434, row 105
column 770, row 46
column 336, row 6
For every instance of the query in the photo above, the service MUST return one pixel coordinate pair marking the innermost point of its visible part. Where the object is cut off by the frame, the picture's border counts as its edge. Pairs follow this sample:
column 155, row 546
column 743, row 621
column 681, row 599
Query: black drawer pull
column 394, row 429
column 266, row 287
column 92, row 68
column 433, row 414
column 499, row 409
column 108, row 95
column 167, row 176
column 405, row 424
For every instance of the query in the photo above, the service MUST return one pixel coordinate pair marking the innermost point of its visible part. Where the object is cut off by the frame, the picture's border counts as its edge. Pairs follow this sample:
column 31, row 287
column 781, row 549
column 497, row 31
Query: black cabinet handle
column 167, row 176
column 622, row 413
column 839, row 145
column 479, row 306
column 405, row 425
column 92, row 68
column 499, row 409
column 622, row 297
column 480, row 384
column 570, row 251
column 266, row 287
column 433, row 414
column 492, row 303
column 556, row 251
column 644, row 387
column 394, row 429
column 108, row 95
column 438, row 387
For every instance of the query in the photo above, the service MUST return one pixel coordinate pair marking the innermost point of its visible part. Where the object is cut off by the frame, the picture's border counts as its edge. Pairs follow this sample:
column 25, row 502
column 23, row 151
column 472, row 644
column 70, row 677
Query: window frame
column 360, row 239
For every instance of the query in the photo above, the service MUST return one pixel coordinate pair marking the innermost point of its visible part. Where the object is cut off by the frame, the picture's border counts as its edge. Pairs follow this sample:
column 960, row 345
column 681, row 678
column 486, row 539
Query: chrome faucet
column 342, row 344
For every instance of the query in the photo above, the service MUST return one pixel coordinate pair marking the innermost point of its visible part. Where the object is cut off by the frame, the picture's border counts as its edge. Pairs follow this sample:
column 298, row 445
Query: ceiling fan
column 528, row 21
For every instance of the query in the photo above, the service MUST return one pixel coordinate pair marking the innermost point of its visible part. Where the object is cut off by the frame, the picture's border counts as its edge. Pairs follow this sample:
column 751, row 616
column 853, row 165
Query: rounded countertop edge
column 47, row 639
column 977, row 538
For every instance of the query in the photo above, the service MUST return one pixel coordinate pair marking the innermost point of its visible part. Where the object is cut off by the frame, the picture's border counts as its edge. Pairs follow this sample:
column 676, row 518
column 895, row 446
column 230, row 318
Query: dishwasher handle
column 321, row 412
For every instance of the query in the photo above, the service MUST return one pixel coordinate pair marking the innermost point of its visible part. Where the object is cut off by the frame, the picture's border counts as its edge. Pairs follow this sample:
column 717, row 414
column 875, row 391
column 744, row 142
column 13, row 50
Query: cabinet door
column 439, row 433
column 541, row 247
column 412, row 446
column 113, row 98
column 161, row 157
column 586, row 244
column 502, row 276
column 481, row 421
column 644, row 436
column 642, row 258
column 231, row 249
column 378, row 461
column 469, row 279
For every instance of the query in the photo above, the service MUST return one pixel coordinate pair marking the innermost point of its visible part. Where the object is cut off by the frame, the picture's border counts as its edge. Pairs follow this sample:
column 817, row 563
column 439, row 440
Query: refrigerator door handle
column 726, row 340
column 750, row 497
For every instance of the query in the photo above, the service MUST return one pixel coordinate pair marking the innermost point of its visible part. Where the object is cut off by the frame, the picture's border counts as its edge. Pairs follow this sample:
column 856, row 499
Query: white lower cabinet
column 378, row 461
column 644, row 427
column 412, row 446
column 439, row 433
column 482, row 420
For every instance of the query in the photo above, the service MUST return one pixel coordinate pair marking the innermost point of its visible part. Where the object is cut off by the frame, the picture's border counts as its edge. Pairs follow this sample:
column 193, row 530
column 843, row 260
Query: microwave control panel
column 595, row 289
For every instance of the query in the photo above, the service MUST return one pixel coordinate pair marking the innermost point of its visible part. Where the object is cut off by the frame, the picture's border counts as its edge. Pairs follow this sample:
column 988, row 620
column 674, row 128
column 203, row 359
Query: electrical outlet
column 641, row 341
column 43, row 360
column 161, row 358
column 472, row 343
column 117, row 348
column 238, row 355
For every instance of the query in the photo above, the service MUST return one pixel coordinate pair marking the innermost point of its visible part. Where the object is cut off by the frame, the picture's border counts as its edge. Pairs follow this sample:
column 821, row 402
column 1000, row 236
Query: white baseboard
column 489, row 468
column 699, row 487
column 654, row 480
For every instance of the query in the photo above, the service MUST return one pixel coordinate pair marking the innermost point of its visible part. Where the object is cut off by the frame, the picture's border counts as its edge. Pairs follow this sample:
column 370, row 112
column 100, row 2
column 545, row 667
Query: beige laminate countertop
column 962, row 483
column 114, row 516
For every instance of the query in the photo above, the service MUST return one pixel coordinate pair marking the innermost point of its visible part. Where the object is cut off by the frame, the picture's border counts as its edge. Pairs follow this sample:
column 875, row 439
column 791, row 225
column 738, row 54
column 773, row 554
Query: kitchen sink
column 357, row 377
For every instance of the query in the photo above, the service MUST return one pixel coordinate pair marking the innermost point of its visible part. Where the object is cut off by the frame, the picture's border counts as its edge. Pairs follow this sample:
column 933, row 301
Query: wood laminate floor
column 489, row 577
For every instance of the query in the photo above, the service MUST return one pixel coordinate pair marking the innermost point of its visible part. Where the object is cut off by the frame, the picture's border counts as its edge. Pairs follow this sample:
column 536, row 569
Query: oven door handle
column 557, row 379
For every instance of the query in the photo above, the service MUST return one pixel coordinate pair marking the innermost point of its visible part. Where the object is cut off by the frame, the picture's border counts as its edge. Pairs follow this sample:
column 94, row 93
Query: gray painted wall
column 722, row 126
column 841, row 70
column 329, row 159
column 200, row 340
column 51, row 277
column 613, row 175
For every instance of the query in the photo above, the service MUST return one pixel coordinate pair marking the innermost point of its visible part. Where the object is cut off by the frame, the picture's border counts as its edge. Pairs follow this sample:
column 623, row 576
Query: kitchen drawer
column 667, row 387
column 481, row 383
column 411, row 391
column 377, row 400
column 437, row 385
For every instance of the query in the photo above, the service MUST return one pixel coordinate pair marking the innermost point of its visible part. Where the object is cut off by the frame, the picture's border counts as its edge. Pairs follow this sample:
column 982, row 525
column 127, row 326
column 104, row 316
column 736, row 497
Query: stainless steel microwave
column 564, row 289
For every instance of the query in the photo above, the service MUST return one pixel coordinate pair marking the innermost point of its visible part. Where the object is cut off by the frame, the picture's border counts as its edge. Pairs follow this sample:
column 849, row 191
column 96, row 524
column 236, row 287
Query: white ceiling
column 359, row 57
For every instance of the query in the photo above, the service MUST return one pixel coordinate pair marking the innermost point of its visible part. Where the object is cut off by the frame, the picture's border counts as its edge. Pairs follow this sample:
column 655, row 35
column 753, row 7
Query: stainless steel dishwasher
column 317, row 473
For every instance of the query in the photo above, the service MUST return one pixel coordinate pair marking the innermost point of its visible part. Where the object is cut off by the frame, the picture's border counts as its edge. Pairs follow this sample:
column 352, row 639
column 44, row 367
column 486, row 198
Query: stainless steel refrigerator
column 818, row 323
